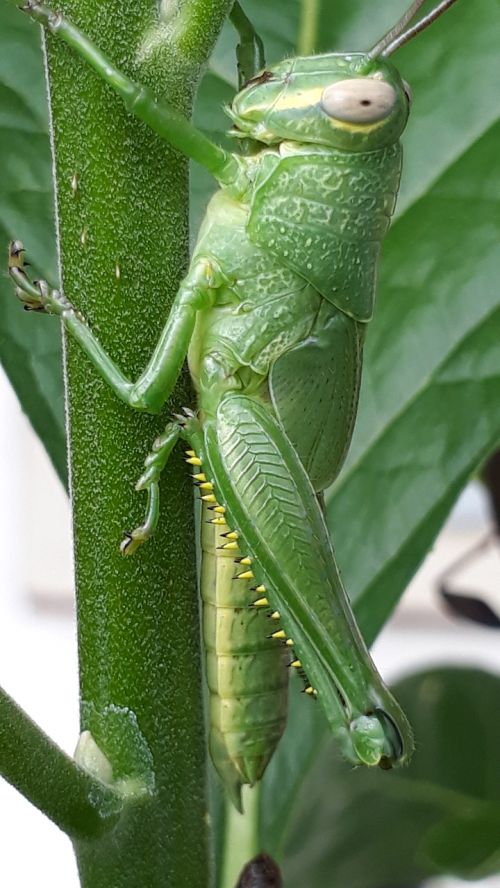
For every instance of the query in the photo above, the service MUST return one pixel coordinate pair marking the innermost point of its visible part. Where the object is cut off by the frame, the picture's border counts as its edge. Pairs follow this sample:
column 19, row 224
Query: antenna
column 397, row 36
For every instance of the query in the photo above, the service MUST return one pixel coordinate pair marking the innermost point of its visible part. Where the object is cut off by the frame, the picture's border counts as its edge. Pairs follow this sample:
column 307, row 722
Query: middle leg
column 185, row 428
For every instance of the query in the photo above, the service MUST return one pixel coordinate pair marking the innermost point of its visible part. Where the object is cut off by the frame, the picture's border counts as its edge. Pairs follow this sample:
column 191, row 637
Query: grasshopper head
column 354, row 102
column 351, row 102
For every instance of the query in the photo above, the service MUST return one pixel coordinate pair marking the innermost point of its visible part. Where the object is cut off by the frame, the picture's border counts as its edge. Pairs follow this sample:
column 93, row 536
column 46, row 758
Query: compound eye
column 361, row 100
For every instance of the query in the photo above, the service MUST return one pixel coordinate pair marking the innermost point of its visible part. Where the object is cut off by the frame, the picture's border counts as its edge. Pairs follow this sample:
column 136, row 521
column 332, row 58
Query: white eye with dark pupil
column 360, row 100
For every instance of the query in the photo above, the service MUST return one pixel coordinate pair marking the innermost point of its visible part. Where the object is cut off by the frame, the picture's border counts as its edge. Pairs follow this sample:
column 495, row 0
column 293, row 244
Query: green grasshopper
column 272, row 317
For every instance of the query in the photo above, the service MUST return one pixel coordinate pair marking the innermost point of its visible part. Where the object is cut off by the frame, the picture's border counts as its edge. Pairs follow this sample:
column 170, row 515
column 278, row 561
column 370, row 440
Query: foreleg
column 162, row 117
column 155, row 384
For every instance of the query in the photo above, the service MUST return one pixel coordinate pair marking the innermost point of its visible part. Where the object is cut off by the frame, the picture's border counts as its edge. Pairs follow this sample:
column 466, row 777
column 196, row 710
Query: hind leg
column 268, row 499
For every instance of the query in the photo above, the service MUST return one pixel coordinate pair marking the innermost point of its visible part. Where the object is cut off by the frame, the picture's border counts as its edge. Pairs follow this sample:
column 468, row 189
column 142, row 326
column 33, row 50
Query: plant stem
column 76, row 802
column 241, row 841
column 122, row 209
column 308, row 28
column 197, row 22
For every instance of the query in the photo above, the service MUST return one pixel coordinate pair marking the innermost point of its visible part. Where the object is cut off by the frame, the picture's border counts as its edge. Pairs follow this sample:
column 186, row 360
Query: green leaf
column 466, row 843
column 372, row 829
column 30, row 349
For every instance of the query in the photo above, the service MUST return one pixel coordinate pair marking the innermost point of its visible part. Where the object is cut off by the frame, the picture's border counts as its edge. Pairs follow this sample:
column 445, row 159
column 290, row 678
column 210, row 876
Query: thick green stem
column 241, row 841
column 122, row 204
column 76, row 802
column 194, row 26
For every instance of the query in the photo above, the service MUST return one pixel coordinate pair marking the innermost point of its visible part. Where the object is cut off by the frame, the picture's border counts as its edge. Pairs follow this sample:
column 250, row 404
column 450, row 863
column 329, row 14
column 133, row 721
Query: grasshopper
column 271, row 317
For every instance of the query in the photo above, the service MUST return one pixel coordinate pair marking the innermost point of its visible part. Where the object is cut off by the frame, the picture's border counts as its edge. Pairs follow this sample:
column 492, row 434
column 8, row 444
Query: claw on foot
column 35, row 295
column 183, row 418
column 16, row 254
column 30, row 294
column 132, row 541
column 41, row 13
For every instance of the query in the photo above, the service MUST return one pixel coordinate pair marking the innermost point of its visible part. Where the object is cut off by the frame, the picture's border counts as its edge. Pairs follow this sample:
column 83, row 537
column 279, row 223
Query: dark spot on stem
column 261, row 872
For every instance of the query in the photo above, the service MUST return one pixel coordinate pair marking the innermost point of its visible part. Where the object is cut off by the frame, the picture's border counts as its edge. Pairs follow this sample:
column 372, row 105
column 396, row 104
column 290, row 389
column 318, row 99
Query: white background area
column 38, row 661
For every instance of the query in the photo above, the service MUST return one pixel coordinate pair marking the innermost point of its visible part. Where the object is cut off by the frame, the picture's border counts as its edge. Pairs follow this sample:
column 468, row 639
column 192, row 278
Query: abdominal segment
column 246, row 670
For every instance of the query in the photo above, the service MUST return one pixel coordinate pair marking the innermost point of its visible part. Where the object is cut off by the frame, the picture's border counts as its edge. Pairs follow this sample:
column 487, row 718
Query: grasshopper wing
column 314, row 388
